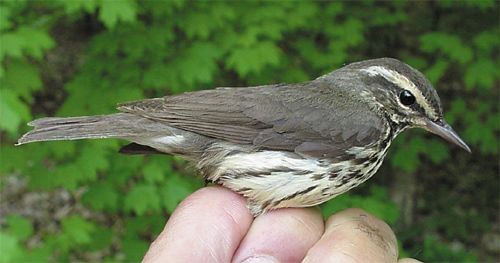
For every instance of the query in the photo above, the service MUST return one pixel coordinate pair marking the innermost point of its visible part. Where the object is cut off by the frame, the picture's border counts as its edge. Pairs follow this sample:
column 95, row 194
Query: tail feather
column 120, row 125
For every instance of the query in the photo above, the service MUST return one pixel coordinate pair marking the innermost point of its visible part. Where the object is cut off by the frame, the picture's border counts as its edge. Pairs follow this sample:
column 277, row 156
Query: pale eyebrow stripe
column 404, row 83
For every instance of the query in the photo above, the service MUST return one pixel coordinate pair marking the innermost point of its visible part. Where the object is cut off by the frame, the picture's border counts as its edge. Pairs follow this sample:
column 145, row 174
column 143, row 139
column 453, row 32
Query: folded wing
column 313, row 119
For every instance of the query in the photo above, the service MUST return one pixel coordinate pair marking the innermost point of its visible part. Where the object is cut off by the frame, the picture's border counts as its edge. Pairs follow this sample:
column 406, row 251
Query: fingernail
column 260, row 259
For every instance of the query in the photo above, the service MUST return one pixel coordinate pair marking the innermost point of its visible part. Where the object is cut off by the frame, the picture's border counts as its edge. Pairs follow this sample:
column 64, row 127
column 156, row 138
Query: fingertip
column 209, row 224
column 409, row 260
column 353, row 235
column 216, row 203
column 361, row 216
column 284, row 235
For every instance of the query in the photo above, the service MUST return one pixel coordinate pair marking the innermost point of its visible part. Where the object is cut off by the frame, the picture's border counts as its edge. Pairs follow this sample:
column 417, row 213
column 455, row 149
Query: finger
column 353, row 235
column 206, row 227
column 283, row 235
column 409, row 260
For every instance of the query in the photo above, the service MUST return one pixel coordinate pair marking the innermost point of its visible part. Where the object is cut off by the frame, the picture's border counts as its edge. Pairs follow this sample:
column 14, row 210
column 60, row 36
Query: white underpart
column 162, row 143
column 281, row 184
column 169, row 140
column 261, row 162
column 267, row 187
column 266, row 160
column 404, row 83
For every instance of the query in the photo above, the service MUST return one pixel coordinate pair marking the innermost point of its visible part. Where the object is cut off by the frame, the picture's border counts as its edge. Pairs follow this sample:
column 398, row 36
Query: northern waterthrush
column 284, row 145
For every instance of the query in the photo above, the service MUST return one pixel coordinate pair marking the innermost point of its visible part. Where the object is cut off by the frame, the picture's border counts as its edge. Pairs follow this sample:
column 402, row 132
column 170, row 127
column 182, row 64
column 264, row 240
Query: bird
column 278, row 145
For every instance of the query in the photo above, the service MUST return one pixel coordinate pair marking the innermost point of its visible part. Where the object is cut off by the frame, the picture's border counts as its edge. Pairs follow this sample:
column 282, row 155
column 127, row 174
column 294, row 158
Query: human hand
column 214, row 225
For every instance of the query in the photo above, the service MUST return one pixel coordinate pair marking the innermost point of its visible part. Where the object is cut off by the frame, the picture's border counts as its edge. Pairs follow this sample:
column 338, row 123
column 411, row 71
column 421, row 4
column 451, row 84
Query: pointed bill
column 444, row 130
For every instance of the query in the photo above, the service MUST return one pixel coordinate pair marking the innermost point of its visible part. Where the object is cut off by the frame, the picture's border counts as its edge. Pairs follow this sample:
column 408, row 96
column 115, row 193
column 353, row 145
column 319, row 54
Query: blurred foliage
column 81, row 57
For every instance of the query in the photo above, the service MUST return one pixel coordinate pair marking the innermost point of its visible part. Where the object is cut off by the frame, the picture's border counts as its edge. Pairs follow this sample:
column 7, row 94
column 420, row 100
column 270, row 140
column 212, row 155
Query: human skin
column 214, row 225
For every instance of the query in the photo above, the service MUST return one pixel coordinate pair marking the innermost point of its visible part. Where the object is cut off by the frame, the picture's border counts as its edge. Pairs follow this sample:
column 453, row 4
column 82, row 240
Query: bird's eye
column 406, row 98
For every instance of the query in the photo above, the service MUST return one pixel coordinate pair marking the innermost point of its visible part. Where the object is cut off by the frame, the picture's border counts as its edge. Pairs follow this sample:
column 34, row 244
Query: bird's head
column 405, row 96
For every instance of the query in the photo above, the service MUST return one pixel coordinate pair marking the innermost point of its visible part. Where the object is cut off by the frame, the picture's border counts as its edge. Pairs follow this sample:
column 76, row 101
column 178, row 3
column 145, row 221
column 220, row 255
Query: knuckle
column 364, row 228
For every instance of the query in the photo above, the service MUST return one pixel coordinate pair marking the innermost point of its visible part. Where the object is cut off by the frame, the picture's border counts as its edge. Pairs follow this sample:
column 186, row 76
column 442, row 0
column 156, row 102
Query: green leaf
column 12, row 111
column 144, row 225
column 487, row 41
column 450, row 45
column 197, row 64
column 134, row 249
column 349, row 33
column 77, row 229
column 11, row 45
column 113, row 11
column 406, row 159
column 65, row 175
column 84, row 100
column 436, row 71
column 25, row 40
column 160, row 75
column 483, row 4
column 39, row 254
column 482, row 73
column 142, row 198
column 19, row 227
column 433, row 250
column 436, row 151
column 208, row 19
column 318, row 59
column 5, row 22
column 416, row 62
column 458, row 107
column 61, row 150
column 22, row 78
column 123, row 168
column 102, row 238
column 35, row 41
column 175, row 189
column 155, row 170
column 101, row 196
column 92, row 159
column 385, row 17
column 193, row 65
column 478, row 132
column 74, row 6
column 334, row 9
column 139, row 226
column 11, row 158
column 10, row 250
column 255, row 58
column 303, row 13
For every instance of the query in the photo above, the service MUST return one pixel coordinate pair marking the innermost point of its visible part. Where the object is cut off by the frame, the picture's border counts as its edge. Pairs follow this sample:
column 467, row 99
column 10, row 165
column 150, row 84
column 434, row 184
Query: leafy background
column 81, row 201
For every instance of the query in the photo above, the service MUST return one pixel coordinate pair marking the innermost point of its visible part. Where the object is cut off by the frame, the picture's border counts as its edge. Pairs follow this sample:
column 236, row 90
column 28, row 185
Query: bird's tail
column 120, row 125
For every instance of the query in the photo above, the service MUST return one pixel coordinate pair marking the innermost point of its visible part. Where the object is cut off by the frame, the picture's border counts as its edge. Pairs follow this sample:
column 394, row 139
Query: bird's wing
column 306, row 118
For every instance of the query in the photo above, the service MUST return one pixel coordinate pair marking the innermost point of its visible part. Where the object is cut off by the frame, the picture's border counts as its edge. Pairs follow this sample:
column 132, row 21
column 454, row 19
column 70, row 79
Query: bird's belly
column 274, row 179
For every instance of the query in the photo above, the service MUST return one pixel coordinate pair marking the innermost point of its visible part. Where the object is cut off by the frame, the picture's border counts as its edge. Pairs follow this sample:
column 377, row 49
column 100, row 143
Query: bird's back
column 316, row 119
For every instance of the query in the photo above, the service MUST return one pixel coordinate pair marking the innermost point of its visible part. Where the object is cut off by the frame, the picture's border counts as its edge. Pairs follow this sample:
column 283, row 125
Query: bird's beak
column 444, row 130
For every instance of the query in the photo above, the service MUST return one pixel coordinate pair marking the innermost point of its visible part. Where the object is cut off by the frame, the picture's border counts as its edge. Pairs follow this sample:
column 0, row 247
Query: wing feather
column 309, row 119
